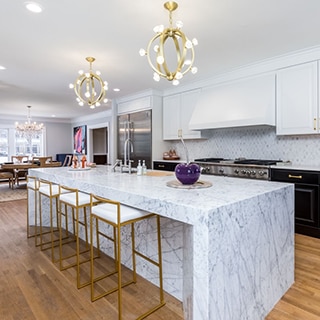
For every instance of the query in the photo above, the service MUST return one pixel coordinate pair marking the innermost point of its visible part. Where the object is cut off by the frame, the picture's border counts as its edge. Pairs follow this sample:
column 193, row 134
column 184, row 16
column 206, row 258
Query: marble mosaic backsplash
column 254, row 143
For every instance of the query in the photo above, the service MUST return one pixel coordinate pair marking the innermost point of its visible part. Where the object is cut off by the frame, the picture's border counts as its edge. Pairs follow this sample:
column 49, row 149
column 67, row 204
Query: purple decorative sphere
column 187, row 173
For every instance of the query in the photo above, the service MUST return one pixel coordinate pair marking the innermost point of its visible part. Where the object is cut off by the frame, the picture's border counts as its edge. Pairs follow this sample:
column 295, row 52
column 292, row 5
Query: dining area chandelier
column 161, row 60
column 89, row 87
column 30, row 129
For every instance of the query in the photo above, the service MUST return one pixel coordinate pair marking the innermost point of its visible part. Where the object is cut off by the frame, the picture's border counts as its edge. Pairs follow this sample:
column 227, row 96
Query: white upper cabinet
column 177, row 111
column 246, row 102
column 137, row 104
column 297, row 102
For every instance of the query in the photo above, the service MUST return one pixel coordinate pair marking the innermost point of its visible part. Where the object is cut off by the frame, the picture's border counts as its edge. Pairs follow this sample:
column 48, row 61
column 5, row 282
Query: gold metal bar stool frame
column 52, row 192
column 33, row 186
column 76, row 200
column 117, row 215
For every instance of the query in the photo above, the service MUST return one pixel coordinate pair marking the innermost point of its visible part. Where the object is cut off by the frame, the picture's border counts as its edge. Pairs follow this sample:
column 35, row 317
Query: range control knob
column 205, row 170
column 221, row 170
column 252, row 172
column 262, row 173
column 236, row 171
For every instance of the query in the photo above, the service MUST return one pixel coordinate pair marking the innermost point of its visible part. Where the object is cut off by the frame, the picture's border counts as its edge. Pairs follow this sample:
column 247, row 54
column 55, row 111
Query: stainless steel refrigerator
column 135, row 137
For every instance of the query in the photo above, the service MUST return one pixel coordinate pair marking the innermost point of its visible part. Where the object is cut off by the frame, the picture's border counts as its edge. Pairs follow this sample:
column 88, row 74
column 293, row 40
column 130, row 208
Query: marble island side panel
column 232, row 245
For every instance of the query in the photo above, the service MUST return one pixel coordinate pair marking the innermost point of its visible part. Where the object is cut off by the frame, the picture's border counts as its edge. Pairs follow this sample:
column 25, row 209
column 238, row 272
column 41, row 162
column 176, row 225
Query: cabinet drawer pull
column 294, row 177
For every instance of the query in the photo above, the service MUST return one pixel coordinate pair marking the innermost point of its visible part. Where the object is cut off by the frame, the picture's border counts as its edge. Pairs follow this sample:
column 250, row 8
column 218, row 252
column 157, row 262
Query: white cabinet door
column 177, row 111
column 297, row 103
column 135, row 104
column 171, row 117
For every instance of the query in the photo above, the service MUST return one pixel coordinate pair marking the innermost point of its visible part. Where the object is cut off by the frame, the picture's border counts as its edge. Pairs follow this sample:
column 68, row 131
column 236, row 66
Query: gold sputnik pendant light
column 90, row 88
column 183, row 57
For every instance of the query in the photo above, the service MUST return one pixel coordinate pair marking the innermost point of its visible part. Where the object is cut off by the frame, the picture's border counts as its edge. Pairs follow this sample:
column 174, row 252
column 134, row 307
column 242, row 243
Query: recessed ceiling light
column 116, row 89
column 33, row 7
column 2, row 68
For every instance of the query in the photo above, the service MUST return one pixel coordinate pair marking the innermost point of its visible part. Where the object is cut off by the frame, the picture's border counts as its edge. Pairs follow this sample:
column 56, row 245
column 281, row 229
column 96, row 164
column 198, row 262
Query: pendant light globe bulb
column 142, row 52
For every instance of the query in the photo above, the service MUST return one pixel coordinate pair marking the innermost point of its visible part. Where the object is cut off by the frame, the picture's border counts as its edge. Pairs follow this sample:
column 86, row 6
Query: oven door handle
column 294, row 177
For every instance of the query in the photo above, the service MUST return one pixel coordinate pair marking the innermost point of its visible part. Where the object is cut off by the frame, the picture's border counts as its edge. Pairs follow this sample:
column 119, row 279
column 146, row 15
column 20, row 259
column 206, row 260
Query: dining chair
column 67, row 161
column 20, row 173
column 7, row 174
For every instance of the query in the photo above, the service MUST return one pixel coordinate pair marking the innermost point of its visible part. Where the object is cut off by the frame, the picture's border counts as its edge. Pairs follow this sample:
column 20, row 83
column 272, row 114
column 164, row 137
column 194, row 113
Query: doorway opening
column 98, row 144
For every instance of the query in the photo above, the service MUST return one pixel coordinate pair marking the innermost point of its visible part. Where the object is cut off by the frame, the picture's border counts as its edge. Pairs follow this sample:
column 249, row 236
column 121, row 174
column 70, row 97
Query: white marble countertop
column 237, row 240
column 140, row 191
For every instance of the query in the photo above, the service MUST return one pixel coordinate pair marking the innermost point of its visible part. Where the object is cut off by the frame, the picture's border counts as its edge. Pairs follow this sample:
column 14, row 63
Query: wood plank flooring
column 302, row 300
column 32, row 287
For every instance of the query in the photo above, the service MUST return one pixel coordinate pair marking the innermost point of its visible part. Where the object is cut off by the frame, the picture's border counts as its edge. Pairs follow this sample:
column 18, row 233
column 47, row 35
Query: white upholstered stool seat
column 78, row 202
column 116, row 215
column 108, row 212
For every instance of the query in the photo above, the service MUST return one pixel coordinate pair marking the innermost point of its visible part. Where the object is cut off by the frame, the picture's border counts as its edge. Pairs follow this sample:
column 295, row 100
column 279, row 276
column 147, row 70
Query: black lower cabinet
column 100, row 159
column 165, row 166
column 306, row 183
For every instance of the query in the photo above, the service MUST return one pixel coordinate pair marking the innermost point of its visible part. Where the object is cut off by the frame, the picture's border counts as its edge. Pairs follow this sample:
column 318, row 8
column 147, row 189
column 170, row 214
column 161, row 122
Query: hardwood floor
column 302, row 300
column 31, row 287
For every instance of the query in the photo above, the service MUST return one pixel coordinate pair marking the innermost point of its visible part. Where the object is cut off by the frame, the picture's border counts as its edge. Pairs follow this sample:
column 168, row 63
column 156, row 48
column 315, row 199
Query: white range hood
column 245, row 102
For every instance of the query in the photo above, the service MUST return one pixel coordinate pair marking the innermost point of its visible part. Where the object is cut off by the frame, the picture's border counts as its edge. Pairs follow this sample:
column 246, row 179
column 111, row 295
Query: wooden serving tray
column 198, row 185
column 159, row 173
column 171, row 158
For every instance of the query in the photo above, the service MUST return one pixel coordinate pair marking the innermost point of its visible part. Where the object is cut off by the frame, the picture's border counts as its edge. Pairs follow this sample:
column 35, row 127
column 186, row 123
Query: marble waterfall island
column 228, row 250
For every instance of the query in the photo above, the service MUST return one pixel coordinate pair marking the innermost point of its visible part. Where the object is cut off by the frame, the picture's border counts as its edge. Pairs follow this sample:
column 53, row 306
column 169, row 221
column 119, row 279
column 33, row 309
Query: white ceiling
column 43, row 52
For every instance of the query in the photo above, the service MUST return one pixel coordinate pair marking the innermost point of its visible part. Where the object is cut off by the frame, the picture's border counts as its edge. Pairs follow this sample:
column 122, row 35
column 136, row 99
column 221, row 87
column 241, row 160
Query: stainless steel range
column 242, row 168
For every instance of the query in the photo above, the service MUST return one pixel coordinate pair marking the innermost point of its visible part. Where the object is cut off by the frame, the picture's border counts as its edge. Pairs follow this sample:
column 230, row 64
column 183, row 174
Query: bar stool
column 76, row 200
column 117, row 216
column 51, row 191
column 32, row 186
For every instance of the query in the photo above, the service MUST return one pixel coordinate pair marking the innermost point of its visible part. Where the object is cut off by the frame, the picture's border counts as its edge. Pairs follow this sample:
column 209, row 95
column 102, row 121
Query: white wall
column 58, row 135
column 59, row 138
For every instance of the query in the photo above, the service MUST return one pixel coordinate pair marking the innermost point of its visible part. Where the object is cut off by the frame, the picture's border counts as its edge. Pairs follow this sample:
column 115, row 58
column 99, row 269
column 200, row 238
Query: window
column 11, row 143
column 4, row 145
column 31, row 146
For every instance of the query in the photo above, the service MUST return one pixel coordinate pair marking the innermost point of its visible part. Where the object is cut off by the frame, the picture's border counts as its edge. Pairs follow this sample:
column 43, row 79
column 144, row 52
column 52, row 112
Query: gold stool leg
column 77, row 255
column 29, row 235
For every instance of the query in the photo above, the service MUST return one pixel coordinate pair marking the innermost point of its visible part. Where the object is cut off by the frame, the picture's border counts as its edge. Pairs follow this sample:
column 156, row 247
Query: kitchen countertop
column 237, row 237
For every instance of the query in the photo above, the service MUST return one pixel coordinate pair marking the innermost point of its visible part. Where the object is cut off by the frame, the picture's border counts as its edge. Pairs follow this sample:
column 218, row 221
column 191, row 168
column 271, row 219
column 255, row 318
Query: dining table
column 24, row 167
column 28, row 165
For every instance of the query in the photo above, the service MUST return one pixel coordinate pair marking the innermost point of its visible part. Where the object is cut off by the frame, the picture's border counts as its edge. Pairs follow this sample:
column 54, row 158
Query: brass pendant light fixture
column 90, row 88
column 160, row 60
